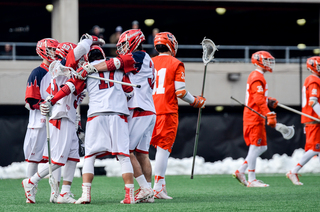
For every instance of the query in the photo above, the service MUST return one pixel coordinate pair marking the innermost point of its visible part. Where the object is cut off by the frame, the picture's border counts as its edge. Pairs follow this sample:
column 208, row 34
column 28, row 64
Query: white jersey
column 65, row 107
column 142, row 97
column 37, row 85
column 105, row 96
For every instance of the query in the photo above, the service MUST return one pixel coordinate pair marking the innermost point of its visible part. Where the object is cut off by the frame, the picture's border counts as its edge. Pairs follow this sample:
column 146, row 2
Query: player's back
column 144, row 76
column 164, row 96
column 106, row 96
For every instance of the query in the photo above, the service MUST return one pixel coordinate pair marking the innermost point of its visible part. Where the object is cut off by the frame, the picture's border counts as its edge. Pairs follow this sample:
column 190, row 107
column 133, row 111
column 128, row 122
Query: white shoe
column 162, row 193
column 241, row 177
column 294, row 178
column 129, row 197
column 257, row 183
column 30, row 190
column 86, row 196
column 143, row 194
column 66, row 198
column 150, row 200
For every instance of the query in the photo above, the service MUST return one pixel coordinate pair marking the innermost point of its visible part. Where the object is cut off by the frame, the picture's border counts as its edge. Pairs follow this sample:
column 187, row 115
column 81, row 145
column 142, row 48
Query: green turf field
column 203, row 193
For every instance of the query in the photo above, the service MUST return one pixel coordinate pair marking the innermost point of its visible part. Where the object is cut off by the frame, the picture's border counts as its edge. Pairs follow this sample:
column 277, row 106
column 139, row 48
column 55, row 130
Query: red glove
column 271, row 119
column 272, row 102
column 95, row 39
column 199, row 102
column 82, row 74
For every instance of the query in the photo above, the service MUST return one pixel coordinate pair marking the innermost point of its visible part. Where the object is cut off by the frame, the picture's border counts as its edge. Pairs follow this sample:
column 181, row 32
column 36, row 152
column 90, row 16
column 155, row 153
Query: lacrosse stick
column 58, row 69
column 286, row 131
column 298, row 112
column 52, row 181
column 209, row 49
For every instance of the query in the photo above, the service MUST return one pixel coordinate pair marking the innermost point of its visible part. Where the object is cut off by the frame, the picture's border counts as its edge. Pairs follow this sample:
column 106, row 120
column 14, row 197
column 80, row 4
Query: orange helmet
column 167, row 39
column 46, row 48
column 64, row 48
column 313, row 65
column 263, row 59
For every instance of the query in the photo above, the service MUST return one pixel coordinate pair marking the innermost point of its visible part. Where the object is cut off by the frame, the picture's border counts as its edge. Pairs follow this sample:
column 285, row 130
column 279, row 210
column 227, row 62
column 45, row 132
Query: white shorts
column 63, row 142
column 34, row 143
column 107, row 135
column 141, row 126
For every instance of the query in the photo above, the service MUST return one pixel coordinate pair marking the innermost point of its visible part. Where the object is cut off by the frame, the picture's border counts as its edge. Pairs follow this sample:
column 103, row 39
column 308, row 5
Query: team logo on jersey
column 260, row 88
column 317, row 146
column 314, row 91
column 259, row 141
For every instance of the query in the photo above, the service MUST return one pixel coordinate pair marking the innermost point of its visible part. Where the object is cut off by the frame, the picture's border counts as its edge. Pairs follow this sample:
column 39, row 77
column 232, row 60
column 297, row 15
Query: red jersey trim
column 91, row 118
column 56, row 123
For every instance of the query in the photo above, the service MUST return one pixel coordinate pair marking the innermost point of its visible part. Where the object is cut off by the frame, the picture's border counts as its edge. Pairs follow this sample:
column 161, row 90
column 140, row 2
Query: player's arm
column 128, row 90
column 182, row 93
column 313, row 100
column 33, row 95
column 260, row 100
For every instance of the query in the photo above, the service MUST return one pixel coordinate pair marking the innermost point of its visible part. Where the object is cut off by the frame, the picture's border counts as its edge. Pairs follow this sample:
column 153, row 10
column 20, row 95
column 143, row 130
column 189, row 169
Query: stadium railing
column 188, row 53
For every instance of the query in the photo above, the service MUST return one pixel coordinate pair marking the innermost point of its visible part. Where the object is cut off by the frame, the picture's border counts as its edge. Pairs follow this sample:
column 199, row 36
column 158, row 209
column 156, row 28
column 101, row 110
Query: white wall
column 283, row 82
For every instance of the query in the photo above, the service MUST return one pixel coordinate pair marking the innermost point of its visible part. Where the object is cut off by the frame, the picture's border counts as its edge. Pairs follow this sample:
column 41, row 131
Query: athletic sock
column 251, row 175
column 32, row 169
column 142, row 181
column 305, row 159
column 243, row 167
column 65, row 189
column 86, row 184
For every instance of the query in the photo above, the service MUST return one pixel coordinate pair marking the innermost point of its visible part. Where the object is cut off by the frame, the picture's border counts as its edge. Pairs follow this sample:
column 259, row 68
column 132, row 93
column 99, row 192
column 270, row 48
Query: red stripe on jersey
column 137, row 113
column 74, row 159
column 56, row 123
column 91, row 118
column 102, row 154
column 141, row 151
column 33, row 161
column 33, row 90
column 124, row 117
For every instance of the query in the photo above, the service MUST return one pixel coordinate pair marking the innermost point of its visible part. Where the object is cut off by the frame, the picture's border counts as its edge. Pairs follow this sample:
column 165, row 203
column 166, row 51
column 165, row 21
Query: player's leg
column 87, row 178
column 57, row 176
column 127, row 176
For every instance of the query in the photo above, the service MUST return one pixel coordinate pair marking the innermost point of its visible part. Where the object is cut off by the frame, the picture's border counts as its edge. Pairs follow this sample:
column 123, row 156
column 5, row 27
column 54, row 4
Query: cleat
column 294, row 178
column 150, row 200
column 257, row 183
column 161, row 194
column 30, row 190
column 129, row 197
column 241, row 177
column 66, row 198
column 86, row 196
column 143, row 194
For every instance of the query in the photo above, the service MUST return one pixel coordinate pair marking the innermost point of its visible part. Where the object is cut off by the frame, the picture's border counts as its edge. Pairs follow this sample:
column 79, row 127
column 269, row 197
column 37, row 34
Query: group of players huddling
column 123, row 120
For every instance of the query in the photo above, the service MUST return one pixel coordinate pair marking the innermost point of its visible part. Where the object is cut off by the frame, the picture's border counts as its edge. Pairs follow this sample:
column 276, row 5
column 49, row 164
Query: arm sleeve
column 82, row 48
column 259, row 97
column 180, row 85
column 313, row 100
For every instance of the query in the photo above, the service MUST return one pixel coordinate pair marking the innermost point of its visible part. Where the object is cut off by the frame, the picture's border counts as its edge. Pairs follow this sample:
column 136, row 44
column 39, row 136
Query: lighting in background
column 301, row 22
column 219, row 108
column 149, row 22
column 301, row 46
column 221, row 10
column 233, row 77
column 49, row 8
column 316, row 51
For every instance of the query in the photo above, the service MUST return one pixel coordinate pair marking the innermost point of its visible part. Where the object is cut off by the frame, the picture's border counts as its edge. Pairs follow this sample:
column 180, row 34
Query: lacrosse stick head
column 286, row 131
column 209, row 49
column 57, row 69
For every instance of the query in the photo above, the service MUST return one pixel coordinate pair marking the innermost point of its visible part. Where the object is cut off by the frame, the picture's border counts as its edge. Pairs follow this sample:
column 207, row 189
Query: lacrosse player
column 138, row 65
column 310, row 106
column 36, row 92
column 254, row 131
column 63, row 138
column 169, row 85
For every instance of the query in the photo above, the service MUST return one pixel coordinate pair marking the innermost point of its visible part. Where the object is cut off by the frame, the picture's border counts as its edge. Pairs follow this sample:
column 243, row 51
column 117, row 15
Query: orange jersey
column 310, row 88
column 256, row 98
column 168, row 70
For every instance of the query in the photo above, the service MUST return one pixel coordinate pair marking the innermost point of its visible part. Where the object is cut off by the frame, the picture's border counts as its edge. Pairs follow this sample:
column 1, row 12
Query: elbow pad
column 185, row 95
column 313, row 101
column 181, row 93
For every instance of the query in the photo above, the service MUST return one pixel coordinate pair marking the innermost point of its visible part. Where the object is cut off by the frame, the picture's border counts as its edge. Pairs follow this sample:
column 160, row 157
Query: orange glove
column 198, row 102
column 272, row 102
column 271, row 119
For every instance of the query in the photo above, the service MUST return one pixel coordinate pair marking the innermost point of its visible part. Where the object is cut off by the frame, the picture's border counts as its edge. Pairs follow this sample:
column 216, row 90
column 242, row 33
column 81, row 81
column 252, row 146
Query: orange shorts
column 312, row 137
column 165, row 131
column 255, row 135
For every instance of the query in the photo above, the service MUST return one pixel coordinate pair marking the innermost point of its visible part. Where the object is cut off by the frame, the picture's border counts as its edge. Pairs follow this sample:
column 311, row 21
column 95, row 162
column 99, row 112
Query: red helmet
column 313, row 65
column 95, row 53
column 129, row 41
column 263, row 59
column 46, row 48
column 64, row 48
column 167, row 39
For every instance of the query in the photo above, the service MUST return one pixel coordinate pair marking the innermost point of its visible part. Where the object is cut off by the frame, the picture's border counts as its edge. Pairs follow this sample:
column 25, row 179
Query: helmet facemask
column 268, row 63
